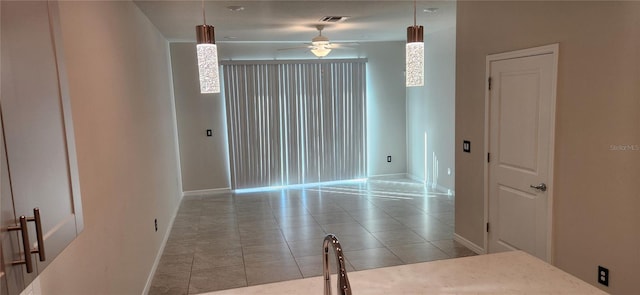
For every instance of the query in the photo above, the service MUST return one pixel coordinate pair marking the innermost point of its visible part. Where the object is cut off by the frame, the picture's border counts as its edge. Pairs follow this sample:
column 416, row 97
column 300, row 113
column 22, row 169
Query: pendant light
column 415, row 53
column 207, row 57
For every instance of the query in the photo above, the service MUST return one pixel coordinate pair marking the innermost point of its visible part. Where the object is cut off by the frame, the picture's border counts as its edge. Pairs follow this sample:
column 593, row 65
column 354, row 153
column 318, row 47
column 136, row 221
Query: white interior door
column 522, row 112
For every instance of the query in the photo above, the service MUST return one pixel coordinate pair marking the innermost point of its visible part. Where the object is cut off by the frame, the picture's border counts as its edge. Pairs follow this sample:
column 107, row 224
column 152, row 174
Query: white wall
column 431, row 110
column 118, row 67
column 596, row 195
column 205, row 159
column 386, row 108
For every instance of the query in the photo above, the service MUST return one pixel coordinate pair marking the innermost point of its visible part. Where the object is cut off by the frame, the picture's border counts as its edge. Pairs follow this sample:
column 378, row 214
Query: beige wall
column 597, row 199
column 431, row 110
column 204, row 160
column 118, row 68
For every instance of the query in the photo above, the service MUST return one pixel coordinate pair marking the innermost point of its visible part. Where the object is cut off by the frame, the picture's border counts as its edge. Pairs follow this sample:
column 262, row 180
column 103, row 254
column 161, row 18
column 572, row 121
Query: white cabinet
column 38, row 158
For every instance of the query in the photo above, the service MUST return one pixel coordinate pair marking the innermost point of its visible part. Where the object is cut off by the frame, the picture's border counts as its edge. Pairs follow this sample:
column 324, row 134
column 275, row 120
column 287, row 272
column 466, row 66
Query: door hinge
column 487, row 227
column 489, row 83
column 488, row 157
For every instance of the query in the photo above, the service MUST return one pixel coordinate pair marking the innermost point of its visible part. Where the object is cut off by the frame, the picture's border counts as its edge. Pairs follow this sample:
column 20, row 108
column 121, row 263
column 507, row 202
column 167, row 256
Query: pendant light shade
column 415, row 56
column 415, row 53
column 207, row 59
column 207, row 52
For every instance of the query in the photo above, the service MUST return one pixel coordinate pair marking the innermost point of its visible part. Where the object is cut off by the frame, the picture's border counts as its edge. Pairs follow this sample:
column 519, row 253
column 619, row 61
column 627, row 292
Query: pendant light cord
column 414, row 13
column 204, row 18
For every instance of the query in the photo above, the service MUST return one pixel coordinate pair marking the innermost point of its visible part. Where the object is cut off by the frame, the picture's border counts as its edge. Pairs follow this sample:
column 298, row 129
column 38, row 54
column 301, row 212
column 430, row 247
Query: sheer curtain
column 295, row 122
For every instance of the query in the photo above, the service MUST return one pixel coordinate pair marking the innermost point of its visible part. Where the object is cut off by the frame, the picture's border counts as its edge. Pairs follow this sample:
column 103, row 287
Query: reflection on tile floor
column 235, row 240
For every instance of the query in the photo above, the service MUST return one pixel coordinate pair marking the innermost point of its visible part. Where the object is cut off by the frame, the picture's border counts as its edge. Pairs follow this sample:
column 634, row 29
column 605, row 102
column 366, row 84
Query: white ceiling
column 294, row 21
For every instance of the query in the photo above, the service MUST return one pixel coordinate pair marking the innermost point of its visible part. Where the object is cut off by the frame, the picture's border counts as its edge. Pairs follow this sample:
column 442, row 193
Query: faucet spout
column 344, row 288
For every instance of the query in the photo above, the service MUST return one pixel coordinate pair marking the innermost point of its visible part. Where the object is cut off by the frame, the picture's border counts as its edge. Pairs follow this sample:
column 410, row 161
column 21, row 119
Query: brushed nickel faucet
column 344, row 288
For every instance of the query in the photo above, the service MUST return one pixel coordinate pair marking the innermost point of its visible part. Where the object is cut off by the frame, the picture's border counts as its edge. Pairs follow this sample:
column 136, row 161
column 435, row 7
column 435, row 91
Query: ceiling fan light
column 320, row 51
column 320, row 39
column 320, row 43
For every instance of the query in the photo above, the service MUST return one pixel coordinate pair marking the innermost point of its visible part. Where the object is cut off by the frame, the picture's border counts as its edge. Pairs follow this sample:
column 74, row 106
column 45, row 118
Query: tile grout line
column 287, row 242
column 193, row 254
column 443, row 251
column 235, row 215
column 369, row 232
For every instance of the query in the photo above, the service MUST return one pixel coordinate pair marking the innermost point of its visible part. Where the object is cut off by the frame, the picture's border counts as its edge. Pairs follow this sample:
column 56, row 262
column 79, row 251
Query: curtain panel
column 295, row 122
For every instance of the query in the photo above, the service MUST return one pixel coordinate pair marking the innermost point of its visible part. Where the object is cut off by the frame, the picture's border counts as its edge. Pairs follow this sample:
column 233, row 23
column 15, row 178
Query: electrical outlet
column 155, row 223
column 603, row 275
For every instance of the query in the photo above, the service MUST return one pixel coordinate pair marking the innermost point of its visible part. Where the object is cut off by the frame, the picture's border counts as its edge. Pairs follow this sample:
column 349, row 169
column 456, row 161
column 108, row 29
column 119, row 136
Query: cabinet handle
column 25, row 244
column 36, row 219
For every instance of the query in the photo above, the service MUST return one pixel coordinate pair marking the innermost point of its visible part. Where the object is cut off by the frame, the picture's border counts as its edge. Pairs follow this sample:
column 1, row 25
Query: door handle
column 541, row 187
column 39, row 232
column 26, row 245
column 22, row 226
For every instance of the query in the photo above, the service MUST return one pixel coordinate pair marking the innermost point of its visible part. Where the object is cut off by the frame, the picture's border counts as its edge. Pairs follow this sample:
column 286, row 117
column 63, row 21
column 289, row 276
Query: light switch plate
column 466, row 146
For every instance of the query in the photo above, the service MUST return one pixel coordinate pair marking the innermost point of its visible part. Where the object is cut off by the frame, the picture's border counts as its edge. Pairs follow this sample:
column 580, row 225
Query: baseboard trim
column 413, row 177
column 472, row 246
column 214, row 191
column 156, row 262
column 441, row 188
column 386, row 175
column 445, row 189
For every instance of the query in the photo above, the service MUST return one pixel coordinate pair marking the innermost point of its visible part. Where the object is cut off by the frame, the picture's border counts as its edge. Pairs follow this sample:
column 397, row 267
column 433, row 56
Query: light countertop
column 502, row 273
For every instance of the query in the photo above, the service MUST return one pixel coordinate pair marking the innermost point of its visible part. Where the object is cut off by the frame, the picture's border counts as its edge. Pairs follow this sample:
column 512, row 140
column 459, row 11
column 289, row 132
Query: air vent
column 333, row 19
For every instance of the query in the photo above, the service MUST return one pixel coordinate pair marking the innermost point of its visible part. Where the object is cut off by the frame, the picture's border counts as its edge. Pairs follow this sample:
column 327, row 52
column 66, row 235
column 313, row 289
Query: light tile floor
column 235, row 240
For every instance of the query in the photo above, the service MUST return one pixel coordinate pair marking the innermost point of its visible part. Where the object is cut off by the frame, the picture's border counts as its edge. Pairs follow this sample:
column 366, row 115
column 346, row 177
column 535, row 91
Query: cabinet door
column 12, row 279
column 40, row 147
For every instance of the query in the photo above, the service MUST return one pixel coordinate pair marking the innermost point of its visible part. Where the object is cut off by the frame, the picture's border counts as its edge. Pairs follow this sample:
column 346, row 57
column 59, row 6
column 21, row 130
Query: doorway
column 521, row 98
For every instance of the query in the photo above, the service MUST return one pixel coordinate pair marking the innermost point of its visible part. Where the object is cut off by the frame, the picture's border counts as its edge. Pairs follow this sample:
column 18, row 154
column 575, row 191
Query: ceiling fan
column 320, row 45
